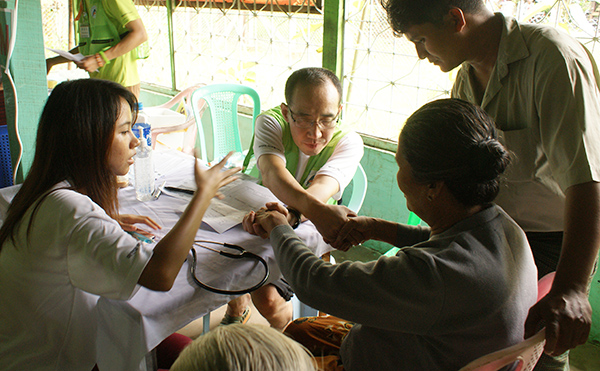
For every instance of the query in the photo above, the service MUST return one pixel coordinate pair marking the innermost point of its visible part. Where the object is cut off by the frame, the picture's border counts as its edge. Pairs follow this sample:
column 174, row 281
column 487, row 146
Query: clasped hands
column 339, row 226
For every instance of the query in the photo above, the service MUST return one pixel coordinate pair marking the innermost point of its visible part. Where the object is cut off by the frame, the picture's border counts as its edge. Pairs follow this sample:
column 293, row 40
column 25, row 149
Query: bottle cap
column 145, row 129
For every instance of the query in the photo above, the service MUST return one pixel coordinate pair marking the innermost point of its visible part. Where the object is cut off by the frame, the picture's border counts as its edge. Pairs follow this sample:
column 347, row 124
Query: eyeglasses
column 307, row 122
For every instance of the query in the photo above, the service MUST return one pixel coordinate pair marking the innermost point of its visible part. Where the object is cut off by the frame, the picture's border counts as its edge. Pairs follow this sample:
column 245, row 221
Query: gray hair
column 244, row 348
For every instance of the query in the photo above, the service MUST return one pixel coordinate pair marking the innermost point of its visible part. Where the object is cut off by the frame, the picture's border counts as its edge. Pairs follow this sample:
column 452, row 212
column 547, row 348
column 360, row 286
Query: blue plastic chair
column 222, row 99
column 6, row 175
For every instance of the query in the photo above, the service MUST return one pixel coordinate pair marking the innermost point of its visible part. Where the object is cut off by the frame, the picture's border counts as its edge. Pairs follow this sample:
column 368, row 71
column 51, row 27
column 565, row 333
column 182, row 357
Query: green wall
column 595, row 301
column 28, row 71
column 384, row 199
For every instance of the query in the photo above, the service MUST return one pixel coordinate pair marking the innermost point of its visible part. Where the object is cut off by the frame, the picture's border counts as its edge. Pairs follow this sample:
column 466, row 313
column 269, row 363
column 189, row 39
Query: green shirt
column 101, row 25
column 292, row 152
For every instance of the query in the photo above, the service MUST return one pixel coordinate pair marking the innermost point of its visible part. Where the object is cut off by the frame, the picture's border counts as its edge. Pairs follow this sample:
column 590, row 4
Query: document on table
column 240, row 197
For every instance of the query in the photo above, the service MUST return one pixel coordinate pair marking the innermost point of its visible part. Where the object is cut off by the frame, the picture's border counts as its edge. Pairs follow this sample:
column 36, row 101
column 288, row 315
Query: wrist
column 103, row 56
column 294, row 217
column 201, row 198
column 270, row 224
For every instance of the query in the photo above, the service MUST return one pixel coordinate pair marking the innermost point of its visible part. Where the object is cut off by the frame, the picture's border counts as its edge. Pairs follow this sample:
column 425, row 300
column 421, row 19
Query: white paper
column 72, row 57
column 241, row 197
column 172, row 162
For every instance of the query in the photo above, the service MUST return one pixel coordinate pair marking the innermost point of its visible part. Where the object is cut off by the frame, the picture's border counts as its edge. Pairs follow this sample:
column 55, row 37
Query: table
column 129, row 330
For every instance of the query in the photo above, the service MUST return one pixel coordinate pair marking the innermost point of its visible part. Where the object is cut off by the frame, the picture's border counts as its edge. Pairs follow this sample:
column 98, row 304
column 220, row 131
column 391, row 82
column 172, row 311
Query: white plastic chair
column 526, row 353
column 190, row 135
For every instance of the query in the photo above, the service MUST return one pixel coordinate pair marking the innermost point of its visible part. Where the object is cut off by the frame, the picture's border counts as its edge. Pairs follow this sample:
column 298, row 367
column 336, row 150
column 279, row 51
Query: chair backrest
column 359, row 190
column 526, row 353
column 183, row 99
column 413, row 219
column 544, row 285
column 222, row 99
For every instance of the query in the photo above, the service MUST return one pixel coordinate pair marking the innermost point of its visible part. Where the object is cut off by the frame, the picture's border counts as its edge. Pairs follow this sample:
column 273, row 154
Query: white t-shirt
column 50, row 280
column 341, row 166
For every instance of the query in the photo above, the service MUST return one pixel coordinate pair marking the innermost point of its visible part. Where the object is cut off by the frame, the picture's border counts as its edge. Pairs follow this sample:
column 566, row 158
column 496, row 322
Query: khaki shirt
column 543, row 94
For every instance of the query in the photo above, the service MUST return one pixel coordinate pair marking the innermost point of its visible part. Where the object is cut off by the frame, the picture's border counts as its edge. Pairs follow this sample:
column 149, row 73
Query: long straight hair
column 73, row 142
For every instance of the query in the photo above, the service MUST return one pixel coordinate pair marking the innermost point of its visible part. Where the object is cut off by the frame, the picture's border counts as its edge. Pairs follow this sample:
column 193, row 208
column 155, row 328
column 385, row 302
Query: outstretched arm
column 309, row 202
column 278, row 179
column 170, row 252
column 360, row 229
column 59, row 59
column 566, row 310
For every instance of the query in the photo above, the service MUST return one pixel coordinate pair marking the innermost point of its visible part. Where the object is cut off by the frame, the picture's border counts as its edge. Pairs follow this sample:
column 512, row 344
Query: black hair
column 402, row 14
column 456, row 142
column 73, row 140
column 310, row 76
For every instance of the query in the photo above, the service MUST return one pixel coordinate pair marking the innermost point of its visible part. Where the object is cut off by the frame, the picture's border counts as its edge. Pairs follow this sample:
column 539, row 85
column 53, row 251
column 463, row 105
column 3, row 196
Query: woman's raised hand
column 209, row 181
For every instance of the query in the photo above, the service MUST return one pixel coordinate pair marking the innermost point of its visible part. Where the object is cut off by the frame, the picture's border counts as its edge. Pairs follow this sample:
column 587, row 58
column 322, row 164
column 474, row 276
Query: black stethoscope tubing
column 243, row 254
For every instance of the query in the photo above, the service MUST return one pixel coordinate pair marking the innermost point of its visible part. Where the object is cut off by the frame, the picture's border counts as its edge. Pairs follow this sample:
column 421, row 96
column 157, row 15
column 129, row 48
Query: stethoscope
column 241, row 255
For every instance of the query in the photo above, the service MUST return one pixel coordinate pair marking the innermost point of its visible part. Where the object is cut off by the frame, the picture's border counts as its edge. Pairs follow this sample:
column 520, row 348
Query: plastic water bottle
column 143, row 168
column 143, row 122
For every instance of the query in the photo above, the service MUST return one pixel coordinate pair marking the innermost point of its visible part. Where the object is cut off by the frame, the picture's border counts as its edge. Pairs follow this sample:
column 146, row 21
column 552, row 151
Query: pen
column 174, row 189
column 158, row 190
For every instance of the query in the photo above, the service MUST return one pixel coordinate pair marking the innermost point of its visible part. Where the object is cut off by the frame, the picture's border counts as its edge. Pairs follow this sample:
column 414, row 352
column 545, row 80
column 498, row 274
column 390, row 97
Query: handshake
column 339, row 226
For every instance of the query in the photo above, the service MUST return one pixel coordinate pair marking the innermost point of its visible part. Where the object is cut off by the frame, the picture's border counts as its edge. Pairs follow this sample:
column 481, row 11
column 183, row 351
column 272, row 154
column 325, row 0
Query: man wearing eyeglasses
column 306, row 160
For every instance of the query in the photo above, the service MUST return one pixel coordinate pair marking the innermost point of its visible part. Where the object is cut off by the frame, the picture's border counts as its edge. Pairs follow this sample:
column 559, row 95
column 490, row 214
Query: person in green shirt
column 306, row 159
column 109, row 31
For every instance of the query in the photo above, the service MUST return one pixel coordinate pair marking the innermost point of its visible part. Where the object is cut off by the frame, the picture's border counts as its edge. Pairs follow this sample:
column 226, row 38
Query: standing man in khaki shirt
column 541, row 87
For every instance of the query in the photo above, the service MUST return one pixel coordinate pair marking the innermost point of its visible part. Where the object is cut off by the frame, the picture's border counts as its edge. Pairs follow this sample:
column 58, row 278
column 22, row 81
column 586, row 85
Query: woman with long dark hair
column 61, row 245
